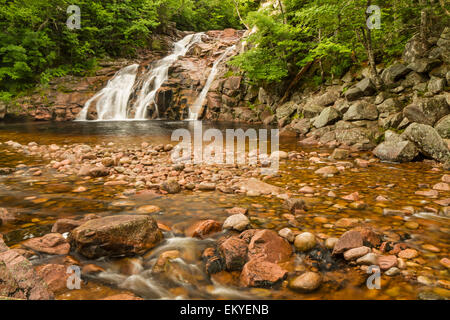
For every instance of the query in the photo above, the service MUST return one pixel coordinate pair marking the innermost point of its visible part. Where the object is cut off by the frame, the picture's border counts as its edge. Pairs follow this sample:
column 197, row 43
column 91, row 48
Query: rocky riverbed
column 142, row 227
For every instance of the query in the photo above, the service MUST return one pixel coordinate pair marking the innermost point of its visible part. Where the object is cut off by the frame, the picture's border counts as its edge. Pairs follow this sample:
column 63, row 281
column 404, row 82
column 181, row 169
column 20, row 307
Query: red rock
column 269, row 246
column 52, row 243
column 445, row 262
column 387, row 262
column 349, row 240
column 19, row 280
column 55, row 275
column 203, row 229
column 65, row 225
column 258, row 273
column 442, row 186
column 428, row 193
column 370, row 237
column 234, row 251
column 351, row 197
column 247, row 235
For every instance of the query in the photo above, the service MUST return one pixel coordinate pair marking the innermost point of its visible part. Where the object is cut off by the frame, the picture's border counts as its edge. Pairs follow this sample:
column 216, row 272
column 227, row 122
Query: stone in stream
column 307, row 282
column 349, row 240
column 396, row 149
column 305, row 242
column 163, row 258
column 387, row 262
column 65, row 225
column 287, row 234
column 356, row 253
column 260, row 273
column 267, row 245
column 238, row 222
column 97, row 172
column 255, row 185
column 18, row 278
column 237, row 210
column 203, row 229
column 116, row 235
column 234, row 250
column 171, row 186
column 295, row 204
column 52, row 243
column 54, row 275
column 368, row 259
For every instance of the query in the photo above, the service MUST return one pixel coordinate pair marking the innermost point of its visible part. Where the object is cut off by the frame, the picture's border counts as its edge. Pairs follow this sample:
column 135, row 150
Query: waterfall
column 112, row 101
column 197, row 106
column 159, row 74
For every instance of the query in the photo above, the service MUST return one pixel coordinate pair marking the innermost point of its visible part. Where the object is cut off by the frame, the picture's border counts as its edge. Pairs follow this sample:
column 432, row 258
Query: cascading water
column 197, row 106
column 158, row 75
column 112, row 101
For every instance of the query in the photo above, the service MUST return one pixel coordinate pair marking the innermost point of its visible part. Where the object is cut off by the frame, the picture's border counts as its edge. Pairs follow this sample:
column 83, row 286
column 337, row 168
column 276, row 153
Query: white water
column 197, row 106
column 158, row 75
column 112, row 101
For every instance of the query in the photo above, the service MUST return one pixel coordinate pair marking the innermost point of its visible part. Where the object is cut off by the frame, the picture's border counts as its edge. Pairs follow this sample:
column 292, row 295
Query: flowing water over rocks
column 309, row 232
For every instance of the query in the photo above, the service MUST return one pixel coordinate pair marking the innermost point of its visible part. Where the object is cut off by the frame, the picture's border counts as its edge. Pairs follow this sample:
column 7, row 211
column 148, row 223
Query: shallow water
column 41, row 200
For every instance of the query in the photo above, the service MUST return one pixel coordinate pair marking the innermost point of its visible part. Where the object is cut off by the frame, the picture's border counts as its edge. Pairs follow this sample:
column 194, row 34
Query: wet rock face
column 269, row 246
column 234, row 251
column 264, row 274
column 116, row 235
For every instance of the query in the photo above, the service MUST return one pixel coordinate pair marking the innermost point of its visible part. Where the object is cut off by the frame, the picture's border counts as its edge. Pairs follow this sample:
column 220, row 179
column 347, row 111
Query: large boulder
column 328, row 116
column 443, row 127
column 234, row 250
column 427, row 111
column 52, row 243
column 415, row 48
column 396, row 149
column 424, row 65
column 363, row 88
column 394, row 73
column 312, row 110
column 361, row 110
column 436, row 85
column 116, row 235
column 428, row 140
column 444, row 45
column 389, row 106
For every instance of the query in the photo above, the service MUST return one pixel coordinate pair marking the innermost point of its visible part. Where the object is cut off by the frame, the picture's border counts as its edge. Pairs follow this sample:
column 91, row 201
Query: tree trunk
column 236, row 5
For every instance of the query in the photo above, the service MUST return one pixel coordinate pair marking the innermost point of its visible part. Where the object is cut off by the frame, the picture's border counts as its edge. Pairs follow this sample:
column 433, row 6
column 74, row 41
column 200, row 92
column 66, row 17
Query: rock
column 389, row 106
column 327, row 99
column 267, row 245
column 340, row 154
column 52, row 243
column 396, row 150
column 356, row 253
column 349, row 240
column 295, row 204
column 163, row 259
column 305, row 242
column 443, row 127
column 311, row 111
column 122, row 297
column 330, row 243
column 441, row 186
column 148, row 209
column 369, row 259
column 392, row 272
column 307, row 282
column 347, row 222
column 328, row 170
column 264, row 274
column 353, row 94
column 237, row 210
column 19, row 280
column 424, row 280
column 54, row 275
column 436, row 85
column 387, row 262
column 234, row 251
column 424, row 65
column 255, row 185
column 237, row 222
column 286, row 110
column 116, row 235
column 408, row 254
column 287, row 234
column 7, row 215
column 415, row 48
column 427, row 110
column 328, row 116
column 171, row 186
column 65, row 225
column 206, row 186
column 394, row 73
column 97, row 172
column 361, row 110
column 203, row 229
column 445, row 262
column 428, row 141
column 278, row 155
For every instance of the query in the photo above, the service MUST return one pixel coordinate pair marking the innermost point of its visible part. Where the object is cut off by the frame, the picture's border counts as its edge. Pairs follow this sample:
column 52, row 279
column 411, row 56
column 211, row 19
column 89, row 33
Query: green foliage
column 36, row 45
